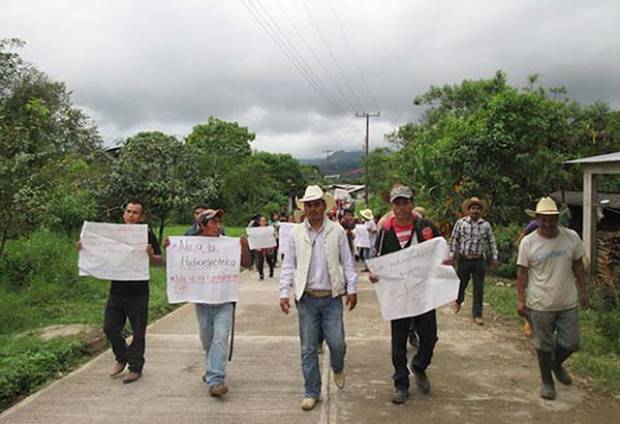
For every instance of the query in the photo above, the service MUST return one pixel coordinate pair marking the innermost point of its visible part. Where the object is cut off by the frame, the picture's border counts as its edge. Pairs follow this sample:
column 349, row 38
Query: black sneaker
column 422, row 381
column 400, row 396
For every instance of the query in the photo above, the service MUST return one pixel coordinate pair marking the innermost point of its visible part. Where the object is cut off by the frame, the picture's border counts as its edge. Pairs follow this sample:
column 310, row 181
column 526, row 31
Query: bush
column 506, row 238
column 28, row 362
column 39, row 283
column 42, row 257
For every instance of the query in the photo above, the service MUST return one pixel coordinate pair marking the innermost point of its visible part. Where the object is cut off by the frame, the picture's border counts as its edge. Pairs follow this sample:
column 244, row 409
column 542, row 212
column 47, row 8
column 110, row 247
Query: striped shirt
column 470, row 238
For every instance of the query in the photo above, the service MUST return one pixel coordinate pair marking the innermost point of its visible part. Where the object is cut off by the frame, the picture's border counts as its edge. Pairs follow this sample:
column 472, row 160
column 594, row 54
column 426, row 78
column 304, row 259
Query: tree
column 489, row 139
column 221, row 145
column 162, row 172
column 39, row 127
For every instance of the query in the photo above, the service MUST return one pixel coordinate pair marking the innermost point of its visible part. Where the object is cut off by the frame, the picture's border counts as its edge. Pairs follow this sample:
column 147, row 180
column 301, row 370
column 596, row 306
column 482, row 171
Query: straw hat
column 545, row 206
column 314, row 192
column 367, row 214
column 474, row 201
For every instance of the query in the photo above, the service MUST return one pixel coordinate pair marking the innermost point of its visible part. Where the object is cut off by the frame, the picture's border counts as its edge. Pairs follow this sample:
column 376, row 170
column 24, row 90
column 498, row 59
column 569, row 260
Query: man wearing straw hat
column 470, row 236
column 318, row 271
column 550, row 284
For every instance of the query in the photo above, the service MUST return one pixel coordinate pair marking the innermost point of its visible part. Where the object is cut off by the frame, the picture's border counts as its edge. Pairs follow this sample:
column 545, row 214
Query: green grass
column 179, row 230
column 599, row 358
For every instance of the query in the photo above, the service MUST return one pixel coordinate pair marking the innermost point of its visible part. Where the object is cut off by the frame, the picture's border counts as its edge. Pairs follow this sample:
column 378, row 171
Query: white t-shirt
column 371, row 226
column 551, row 284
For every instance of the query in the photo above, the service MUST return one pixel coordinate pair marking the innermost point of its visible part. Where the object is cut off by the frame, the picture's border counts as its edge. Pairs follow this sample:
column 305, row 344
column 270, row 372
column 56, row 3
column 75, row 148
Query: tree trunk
column 161, row 229
column 5, row 233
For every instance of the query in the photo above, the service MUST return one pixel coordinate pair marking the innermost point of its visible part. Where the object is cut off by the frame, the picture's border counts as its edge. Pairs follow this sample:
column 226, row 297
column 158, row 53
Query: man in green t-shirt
column 551, row 284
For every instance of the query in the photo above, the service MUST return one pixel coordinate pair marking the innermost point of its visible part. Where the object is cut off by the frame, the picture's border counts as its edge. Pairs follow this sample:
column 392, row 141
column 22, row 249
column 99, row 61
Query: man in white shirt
column 318, row 271
column 551, row 284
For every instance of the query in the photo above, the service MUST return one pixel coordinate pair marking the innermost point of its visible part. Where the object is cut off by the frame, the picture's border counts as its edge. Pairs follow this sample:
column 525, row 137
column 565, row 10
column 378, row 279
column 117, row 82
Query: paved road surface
column 479, row 374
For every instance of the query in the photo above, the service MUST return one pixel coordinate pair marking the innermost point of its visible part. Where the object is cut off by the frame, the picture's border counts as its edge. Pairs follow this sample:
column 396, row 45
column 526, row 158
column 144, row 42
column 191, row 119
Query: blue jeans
column 214, row 323
column 365, row 251
column 325, row 314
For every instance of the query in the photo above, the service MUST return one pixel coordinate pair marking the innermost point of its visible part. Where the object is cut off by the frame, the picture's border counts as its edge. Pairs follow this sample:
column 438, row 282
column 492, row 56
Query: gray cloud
column 169, row 65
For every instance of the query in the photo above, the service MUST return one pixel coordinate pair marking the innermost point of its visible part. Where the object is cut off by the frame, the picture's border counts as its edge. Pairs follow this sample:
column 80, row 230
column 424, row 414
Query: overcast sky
column 168, row 65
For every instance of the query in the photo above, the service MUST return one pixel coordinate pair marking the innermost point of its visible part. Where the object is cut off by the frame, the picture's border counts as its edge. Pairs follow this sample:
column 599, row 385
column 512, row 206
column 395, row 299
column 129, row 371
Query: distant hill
column 347, row 164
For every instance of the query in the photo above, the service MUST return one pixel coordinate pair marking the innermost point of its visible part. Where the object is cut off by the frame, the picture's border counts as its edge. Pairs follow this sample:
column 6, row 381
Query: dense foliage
column 490, row 139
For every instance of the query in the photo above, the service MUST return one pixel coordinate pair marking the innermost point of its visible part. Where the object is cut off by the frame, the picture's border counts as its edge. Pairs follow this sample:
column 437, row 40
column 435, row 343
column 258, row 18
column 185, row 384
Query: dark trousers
column 426, row 327
column 260, row 262
column 474, row 269
column 117, row 311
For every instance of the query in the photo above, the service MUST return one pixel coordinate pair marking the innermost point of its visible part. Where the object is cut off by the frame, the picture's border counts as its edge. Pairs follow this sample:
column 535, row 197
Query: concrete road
column 479, row 374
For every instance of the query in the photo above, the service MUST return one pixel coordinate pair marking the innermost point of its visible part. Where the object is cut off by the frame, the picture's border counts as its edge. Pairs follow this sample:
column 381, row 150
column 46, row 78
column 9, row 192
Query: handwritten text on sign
column 203, row 269
column 114, row 251
column 413, row 281
column 261, row 237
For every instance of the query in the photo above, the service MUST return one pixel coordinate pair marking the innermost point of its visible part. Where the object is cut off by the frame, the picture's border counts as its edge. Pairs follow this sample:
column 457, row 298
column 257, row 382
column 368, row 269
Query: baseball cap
column 400, row 191
column 209, row 214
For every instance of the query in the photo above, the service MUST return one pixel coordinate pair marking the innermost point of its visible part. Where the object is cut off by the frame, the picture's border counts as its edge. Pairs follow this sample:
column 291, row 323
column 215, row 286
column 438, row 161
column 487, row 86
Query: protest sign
column 261, row 237
column 362, row 238
column 114, row 251
column 286, row 234
column 413, row 281
column 203, row 269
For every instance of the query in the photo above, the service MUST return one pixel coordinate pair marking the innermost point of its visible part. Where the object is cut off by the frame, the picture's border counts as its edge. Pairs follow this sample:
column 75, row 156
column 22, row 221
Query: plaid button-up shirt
column 470, row 238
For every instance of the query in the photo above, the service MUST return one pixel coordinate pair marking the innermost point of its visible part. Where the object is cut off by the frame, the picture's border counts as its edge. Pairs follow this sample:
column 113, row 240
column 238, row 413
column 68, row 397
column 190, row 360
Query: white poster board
column 114, row 251
column 261, row 237
column 286, row 234
column 203, row 269
column 413, row 281
column 362, row 237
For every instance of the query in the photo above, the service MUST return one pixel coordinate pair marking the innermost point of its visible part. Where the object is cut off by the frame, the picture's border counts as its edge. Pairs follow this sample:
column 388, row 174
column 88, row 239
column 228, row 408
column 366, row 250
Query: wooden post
column 589, row 217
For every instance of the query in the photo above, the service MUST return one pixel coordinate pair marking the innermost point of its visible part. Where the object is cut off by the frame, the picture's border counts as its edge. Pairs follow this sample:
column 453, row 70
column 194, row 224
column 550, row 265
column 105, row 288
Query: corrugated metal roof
column 610, row 157
column 575, row 198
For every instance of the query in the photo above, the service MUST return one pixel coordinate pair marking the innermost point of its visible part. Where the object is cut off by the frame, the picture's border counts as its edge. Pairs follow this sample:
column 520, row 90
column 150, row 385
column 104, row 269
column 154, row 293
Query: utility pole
column 367, row 116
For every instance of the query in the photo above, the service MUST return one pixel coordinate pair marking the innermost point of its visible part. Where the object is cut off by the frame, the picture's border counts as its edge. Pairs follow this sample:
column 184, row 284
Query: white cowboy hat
column 314, row 192
column 367, row 214
column 545, row 206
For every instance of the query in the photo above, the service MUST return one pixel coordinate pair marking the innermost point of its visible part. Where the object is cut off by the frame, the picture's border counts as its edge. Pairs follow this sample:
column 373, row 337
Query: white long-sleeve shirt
column 318, row 275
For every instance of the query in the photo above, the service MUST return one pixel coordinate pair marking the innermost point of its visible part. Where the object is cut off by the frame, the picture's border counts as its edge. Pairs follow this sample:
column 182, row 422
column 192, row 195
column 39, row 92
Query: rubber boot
column 559, row 356
column 545, row 362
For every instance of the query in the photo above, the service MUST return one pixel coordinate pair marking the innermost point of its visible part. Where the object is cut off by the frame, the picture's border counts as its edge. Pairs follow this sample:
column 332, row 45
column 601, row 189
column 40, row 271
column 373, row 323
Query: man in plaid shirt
column 470, row 236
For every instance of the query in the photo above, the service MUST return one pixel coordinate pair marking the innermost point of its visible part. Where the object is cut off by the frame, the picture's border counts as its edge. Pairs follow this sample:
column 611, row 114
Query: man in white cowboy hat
column 551, row 283
column 318, row 271
column 470, row 236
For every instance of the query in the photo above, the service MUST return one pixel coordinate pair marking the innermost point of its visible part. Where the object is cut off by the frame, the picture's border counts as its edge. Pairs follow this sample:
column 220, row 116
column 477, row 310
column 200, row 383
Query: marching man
column 318, row 271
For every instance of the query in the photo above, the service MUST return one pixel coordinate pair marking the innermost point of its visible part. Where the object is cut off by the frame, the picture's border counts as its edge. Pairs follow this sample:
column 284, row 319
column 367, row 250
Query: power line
column 359, row 69
column 331, row 54
column 312, row 52
column 309, row 79
column 297, row 55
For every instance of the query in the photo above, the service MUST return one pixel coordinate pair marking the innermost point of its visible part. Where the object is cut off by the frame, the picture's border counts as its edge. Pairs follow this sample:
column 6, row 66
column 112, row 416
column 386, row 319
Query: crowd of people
column 318, row 276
